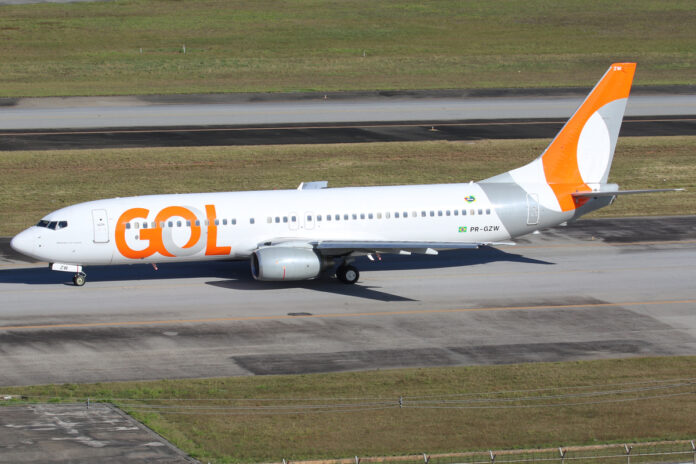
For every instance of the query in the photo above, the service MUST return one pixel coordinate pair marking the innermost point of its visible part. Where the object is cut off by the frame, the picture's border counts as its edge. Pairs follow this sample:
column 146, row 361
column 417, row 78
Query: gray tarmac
column 134, row 112
column 64, row 433
column 405, row 131
column 604, row 288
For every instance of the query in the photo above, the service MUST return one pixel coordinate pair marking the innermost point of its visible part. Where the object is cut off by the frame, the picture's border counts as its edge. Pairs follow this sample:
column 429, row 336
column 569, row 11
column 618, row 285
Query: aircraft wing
column 331, row 247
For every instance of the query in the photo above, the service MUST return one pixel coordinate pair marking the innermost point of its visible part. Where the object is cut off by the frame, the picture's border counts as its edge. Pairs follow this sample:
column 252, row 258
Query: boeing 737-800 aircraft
column 297, row 234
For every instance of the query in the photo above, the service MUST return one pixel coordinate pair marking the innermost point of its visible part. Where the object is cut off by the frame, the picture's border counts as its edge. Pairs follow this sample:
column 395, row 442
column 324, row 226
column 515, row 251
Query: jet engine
column 285, row 263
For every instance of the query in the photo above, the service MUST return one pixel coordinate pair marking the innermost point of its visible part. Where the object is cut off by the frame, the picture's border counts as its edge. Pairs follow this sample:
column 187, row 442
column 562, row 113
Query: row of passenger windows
column 163, row 224
column 388, row 215
column 318, row 217
column 53, row 225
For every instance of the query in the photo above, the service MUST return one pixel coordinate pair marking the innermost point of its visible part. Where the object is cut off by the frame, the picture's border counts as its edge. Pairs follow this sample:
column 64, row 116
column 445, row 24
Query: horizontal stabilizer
column 621, row 192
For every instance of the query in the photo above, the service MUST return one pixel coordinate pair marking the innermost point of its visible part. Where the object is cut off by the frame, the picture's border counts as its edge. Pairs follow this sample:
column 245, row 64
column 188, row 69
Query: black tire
column 348, row 274
column 79, row 280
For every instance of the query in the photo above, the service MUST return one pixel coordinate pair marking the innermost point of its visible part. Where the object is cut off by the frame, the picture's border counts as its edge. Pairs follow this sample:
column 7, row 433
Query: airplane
column 290, row 235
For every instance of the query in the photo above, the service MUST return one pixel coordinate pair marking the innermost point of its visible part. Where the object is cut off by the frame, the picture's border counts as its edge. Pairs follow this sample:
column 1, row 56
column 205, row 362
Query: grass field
column 267, row 418
column 34, row 183
column 137, row 46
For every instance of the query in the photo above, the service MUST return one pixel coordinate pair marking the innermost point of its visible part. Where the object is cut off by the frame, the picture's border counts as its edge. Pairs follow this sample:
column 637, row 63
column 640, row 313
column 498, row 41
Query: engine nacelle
column 285, row 263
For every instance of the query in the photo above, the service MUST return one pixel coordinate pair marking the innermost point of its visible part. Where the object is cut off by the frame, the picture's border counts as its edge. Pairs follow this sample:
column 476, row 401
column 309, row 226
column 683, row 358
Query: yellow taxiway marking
column 414, row 312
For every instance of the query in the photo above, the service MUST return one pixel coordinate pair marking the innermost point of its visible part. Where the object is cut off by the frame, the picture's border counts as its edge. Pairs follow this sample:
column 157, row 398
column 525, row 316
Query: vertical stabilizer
column 581, row 154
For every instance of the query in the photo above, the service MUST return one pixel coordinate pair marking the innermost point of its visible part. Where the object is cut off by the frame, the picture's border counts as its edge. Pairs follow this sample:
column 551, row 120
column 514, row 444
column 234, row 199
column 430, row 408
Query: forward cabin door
column 532, row 209
column 101, row 226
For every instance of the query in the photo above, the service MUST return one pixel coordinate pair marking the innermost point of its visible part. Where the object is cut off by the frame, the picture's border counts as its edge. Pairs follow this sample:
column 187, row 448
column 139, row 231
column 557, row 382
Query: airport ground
column 161, row 47
column 598, row 289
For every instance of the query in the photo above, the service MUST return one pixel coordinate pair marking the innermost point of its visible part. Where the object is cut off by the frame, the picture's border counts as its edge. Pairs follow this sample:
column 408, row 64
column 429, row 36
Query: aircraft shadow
column 240, row 278
column 323, row 284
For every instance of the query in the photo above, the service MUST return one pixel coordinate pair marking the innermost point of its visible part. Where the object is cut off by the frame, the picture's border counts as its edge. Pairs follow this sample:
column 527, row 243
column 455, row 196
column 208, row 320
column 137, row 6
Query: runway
column 595, row 289
column 348, row 117
column 397, row 131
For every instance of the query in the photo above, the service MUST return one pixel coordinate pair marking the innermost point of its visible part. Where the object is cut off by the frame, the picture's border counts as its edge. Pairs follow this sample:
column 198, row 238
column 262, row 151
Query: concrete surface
column 596, row 289
column 312, row 111
column 323, row 133
column 65, row 433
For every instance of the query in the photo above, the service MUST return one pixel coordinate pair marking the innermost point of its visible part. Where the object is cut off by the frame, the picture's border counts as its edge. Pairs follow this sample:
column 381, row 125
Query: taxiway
column 599, row 288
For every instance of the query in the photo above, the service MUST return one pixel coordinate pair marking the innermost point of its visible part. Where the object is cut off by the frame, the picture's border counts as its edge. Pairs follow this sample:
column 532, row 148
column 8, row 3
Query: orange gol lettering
column 211, row 247
column 154, row 235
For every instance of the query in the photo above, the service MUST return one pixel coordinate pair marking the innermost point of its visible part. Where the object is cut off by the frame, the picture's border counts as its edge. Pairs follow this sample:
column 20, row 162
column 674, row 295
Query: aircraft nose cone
column 23, row 243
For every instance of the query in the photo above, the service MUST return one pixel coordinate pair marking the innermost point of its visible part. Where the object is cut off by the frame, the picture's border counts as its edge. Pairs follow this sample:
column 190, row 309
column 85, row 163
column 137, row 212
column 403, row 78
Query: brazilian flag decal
column 462, row 229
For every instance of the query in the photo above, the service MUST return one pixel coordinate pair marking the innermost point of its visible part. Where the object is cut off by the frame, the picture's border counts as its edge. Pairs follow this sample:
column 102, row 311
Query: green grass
column 219, row 436
column 33, row 184
column 94, row 48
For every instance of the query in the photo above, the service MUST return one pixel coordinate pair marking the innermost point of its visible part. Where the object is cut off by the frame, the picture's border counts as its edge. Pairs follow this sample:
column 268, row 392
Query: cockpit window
column 53, row 225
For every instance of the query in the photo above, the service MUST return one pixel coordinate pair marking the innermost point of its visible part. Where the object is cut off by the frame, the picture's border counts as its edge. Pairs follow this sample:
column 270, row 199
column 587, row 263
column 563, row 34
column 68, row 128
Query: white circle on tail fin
column 594, row 149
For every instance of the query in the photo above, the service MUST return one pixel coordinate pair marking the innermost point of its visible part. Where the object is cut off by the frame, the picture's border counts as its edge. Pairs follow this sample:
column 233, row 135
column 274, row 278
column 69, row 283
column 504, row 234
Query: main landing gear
column 347, row 274
column 79, row 279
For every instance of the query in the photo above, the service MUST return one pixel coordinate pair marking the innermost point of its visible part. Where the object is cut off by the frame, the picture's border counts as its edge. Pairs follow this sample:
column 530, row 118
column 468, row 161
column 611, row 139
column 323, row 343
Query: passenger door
column 101, row 226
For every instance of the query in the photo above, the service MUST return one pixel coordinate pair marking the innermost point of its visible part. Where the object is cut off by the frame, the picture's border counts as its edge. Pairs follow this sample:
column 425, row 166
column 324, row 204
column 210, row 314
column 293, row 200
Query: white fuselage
column 187, row 227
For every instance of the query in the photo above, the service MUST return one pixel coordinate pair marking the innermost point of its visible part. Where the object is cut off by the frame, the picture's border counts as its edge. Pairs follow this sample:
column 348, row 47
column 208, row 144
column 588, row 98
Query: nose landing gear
column 79, row 279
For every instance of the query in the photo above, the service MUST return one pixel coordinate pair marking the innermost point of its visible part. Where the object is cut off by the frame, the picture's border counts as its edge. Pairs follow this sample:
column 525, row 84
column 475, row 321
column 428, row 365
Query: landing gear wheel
column 79, row 279
column 348, row 274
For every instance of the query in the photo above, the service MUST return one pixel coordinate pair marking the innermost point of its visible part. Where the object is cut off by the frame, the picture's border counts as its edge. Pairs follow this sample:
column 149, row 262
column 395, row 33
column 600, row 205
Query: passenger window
column 447, row 213
column 362, row 215
column 198, row 223
column 488, row 211
column 233, row 222
column 387, row 215
column 188, row 223
column 154, row 225
column 293, row 219
column 337, row 217
column 406, row 214
column 144, row 225
column 369, row 216
column 439, row 213
column 456, row 212
column 396, row 215
column 170, row 224
column 285, row 219
column 269, row 220
column 328, row 217
column 355, row 216
column 379, row 215
column 463, row 212
column 480, row 211
column 136, row 225
column 422, row 213
column 251, row 220
column 472, row 212
column 432, row 213
column 319, row 217
column 309, row 218
column 128, row 226
column 224, row 222
column 277, row 219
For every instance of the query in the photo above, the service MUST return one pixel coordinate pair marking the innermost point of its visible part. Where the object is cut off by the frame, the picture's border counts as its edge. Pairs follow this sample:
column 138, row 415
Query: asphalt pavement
column 597, row 289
